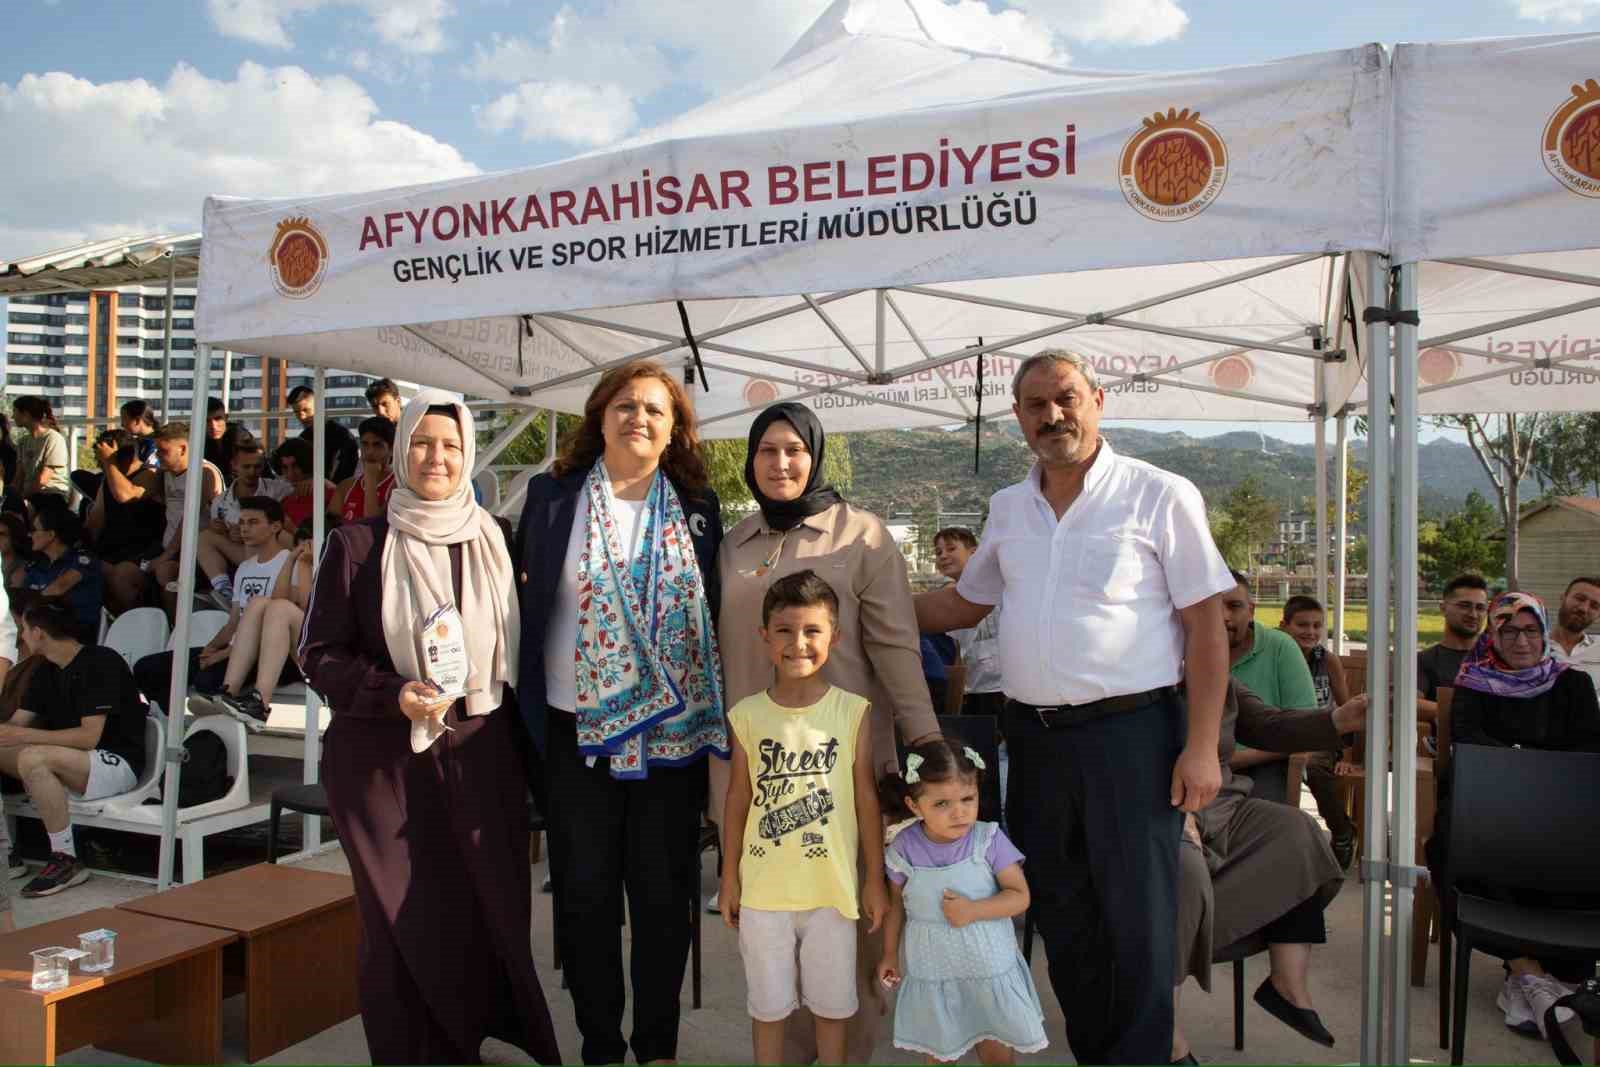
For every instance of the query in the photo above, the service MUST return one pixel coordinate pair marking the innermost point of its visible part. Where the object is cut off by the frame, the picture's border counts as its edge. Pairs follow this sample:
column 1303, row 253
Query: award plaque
column 444, row 652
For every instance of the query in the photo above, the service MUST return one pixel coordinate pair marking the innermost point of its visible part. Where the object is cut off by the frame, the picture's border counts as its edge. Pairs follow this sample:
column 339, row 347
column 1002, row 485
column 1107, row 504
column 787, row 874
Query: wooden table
column 162, row 1001
column 295, row 960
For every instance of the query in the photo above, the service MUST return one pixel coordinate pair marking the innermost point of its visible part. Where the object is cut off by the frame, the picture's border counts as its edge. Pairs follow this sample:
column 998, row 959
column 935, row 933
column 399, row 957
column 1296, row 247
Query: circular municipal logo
column 441, row 631
column 1234, row 373
column 1174, row 167
column 758, row 392
column 298, row 258
column 1571, row 142
column 1435, row 366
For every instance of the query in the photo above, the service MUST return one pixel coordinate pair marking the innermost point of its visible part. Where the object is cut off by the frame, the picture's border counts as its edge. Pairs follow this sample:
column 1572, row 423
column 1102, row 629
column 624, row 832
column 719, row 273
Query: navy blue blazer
column 541, row 556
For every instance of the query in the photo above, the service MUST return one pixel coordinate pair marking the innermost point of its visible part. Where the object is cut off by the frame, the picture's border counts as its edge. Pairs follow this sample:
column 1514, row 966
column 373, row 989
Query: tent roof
column 1183, row 229
column 104, row 264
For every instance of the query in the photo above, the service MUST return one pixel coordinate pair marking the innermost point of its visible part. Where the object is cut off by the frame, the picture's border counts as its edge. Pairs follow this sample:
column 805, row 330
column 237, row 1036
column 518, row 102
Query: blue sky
column 120, row 117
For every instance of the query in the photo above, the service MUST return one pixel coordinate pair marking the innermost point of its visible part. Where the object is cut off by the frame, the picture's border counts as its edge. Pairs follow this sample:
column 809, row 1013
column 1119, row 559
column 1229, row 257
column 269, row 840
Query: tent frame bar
column 916, row 339
column 456, row 358
column 1525, row 271
column 1501, row 324
column 833, row 327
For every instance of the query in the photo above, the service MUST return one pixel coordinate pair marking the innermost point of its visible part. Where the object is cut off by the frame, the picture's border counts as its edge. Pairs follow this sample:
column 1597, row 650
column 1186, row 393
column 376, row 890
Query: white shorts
column 109, row 775
column 792, row 957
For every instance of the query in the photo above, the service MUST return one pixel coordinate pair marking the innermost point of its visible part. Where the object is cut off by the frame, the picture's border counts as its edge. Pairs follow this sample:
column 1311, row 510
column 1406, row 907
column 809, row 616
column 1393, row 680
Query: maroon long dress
column 437, row 841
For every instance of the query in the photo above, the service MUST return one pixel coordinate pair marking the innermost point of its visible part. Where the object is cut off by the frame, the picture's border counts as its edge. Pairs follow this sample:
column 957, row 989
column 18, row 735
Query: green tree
column 1251, row 519
column 1566, row 455
column 1463, row 541
column 1229, row 538
column 1505, row 447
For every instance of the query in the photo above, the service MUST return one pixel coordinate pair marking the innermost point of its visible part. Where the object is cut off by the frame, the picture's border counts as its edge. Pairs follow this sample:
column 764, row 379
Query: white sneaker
column 1541, row 991
column 15, row 868
column 1514, row 1003
column 712, row 906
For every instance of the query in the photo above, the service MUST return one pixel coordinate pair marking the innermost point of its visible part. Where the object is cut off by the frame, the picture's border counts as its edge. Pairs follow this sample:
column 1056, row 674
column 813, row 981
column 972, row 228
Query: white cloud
column 415, row 26
column 1569, row 12
column 135, row 156
column 1118, row 22
column 590, row 115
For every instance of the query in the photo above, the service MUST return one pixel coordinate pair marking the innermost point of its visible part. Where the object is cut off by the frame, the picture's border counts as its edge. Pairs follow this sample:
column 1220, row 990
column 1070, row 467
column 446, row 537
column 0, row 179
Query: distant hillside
column 916, row 471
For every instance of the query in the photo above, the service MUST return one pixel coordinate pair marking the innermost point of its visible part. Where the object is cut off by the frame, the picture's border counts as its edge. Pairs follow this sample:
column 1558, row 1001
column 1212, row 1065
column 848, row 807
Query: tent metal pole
column 1341, row 524
column 1322, row 508
column 227, row 382
column 502, row 439
column 1403, row 828
column 1199, row 361
column 842, row 389
column 311, row 825
column 1506, row 324
column 1376, row 814
column 550, row 438
column 880, row 343
column 833, row 327
column 166, row 344
column 916, row 339
column 177, row 693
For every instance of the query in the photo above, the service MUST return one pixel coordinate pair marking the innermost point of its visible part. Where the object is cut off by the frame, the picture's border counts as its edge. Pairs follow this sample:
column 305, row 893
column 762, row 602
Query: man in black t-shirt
column 1465, row 606
column 79, row 735
column 343, row 450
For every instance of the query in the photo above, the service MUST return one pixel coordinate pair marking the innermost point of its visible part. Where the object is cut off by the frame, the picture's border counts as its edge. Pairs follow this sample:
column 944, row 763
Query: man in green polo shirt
column 1270, row 664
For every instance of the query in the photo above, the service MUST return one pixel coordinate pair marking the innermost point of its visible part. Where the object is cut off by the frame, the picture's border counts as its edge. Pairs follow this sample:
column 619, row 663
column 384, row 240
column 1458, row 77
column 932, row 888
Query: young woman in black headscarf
column 803, row 523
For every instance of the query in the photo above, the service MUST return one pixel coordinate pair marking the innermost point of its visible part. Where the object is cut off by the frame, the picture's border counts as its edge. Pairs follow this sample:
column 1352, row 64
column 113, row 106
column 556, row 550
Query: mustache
column 1063, row 426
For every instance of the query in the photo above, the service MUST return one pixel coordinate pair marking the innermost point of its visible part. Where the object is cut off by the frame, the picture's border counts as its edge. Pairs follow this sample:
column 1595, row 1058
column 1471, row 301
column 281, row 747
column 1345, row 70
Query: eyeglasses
column 1512, row 634
column 1468, row 605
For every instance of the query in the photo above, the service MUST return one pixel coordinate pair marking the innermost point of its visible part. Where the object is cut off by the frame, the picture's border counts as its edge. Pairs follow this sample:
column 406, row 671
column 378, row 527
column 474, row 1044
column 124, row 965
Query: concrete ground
column 719, row 1031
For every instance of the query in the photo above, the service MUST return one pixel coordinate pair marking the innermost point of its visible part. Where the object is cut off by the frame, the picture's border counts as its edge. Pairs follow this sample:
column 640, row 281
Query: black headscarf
column 815, row 497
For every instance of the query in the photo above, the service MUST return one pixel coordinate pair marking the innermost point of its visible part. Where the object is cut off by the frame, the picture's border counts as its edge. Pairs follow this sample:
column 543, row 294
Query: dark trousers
column 1093, row 806
column 1324, row 786
column 608, row 838
column 984, row 704
column 153, row 676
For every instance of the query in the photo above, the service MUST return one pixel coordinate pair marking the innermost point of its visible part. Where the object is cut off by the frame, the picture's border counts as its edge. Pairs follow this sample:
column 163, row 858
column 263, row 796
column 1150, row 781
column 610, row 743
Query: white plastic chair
column 203, row 626
column 138, row 633
column 149, row 783
column 516, row 491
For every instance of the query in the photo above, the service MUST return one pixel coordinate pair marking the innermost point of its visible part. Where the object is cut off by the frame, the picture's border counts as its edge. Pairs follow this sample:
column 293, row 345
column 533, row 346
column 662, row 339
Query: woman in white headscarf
column 429, row 795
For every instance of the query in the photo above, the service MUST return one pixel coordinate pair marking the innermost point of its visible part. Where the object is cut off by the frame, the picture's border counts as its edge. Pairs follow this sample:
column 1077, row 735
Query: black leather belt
column 1051, row 716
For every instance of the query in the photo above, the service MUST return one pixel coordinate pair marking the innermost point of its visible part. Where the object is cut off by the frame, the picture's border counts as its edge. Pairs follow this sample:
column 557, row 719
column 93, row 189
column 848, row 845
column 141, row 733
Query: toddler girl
column 956, row 884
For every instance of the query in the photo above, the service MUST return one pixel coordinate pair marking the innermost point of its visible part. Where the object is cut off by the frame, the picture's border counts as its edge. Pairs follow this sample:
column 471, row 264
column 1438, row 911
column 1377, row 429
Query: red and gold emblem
column 1435, row 366
column 298, row 258
column 1571, row 141
column 1234, row 373
column 1174, row 167
column 758, row 392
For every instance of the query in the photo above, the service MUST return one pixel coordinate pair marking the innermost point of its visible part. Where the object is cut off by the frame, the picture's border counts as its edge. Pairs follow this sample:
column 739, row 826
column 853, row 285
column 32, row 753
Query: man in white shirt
column 1111, row 588
column 1580, row 609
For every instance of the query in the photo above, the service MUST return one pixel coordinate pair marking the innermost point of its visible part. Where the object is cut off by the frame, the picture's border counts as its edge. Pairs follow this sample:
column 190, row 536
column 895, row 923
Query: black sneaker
column 1344, row 850
column 15, row 868
column 247, row 707
column 62, row 872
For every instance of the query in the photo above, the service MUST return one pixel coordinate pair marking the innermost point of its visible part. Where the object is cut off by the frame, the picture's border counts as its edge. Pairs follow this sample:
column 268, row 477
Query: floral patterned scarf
column 648, row 670
column 1486, row 671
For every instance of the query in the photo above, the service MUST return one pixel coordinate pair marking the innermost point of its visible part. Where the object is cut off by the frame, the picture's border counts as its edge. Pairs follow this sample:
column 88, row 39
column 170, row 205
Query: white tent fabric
column 874, row 125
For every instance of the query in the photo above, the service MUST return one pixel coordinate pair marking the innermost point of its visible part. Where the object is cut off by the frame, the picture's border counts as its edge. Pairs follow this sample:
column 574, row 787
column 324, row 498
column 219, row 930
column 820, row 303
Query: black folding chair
column 1519, row 820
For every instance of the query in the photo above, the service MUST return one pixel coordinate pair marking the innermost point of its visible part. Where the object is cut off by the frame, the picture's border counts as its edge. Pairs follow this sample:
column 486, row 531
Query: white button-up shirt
column 1585, row 656
column 1090, row 601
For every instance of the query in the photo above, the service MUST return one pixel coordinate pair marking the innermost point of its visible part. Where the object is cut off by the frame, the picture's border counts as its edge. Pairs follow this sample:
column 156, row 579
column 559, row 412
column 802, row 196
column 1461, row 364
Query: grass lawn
column 1430, row 624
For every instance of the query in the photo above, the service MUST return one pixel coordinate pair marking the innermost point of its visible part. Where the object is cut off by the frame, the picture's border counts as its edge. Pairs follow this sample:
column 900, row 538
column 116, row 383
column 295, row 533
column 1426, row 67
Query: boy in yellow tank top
column 802, row 810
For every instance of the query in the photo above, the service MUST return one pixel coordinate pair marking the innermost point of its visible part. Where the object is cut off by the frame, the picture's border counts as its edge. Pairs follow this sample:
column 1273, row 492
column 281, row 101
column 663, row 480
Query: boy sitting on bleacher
column 79, row 735
column 260, row 522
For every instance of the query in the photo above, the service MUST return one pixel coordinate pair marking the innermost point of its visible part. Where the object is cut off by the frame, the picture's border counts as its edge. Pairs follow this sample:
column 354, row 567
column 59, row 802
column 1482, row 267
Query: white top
column 561, row 636
column 173, row 490
column 226, row 506
column 1091, row 601
column 8, row 631
column 254, row 578
column 980, row 651
column 1585, row 656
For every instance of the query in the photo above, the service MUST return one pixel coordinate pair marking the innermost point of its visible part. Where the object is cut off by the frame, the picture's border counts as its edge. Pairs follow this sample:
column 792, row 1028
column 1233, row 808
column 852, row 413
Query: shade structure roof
column 857, row 229
column 104, row 264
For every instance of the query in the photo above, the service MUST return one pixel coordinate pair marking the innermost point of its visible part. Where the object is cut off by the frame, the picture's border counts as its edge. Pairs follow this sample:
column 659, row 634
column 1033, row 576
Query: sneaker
column 247, row 707
column 1540, row 992
column 203, row 700
column 1344, row 850
column 62, row 872
column 222, row 600
column 712, row 906
column 15, row 868
column 1514, row 1004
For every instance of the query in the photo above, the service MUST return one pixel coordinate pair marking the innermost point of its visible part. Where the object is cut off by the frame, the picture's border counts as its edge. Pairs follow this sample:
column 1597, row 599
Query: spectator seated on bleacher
column 260, row 520
column 222, row 438
column 343, row 455
column 221, row 547
column 42, row 460
column 61, row 567
column 365, row 494
column 261, row 656
column 294, row 463
column 172, row 443
column 79, row 735
column 14, row 548
column 127, row 520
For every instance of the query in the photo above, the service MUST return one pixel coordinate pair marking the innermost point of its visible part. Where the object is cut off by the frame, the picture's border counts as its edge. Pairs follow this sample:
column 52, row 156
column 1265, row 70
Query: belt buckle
column 1039, row 713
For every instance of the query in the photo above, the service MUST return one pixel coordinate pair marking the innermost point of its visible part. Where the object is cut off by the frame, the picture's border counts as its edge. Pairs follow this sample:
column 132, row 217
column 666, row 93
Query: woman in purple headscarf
column 1512, row 692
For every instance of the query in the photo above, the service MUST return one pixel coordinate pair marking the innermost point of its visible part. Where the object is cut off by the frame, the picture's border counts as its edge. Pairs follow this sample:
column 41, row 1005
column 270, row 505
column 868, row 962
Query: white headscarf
column 416, row 572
